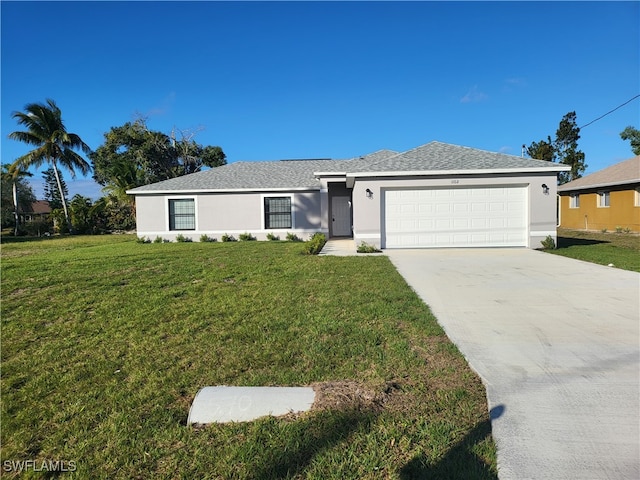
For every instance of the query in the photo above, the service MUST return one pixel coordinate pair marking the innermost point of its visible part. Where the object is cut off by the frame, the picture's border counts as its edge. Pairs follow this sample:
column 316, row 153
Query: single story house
column 435, row 195
column 608, row 199
column 38, row 210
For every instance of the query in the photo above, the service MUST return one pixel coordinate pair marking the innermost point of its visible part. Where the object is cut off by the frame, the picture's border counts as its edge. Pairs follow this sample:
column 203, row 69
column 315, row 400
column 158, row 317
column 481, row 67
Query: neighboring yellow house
column 608, row 199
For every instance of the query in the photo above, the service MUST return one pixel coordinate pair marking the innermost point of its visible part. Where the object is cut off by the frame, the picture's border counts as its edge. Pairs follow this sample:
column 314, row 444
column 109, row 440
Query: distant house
column 38, row 210
column 435, row 195
column 608, row 199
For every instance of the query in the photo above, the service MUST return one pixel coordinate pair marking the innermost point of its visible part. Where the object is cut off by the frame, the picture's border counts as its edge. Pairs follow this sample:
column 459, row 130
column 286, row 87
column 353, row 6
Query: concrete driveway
column 557, row 344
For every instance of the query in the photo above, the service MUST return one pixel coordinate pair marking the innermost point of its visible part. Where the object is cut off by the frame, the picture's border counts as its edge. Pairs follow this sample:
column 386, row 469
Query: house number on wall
column 455, row 181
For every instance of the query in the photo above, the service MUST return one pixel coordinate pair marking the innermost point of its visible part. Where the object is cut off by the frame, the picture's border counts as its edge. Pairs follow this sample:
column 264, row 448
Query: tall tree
column 633, row 135
column 22, row 193
column 132, row 155
column 563, row 149
column 542, row 150
column 54, row 145
column 51, row 191
column 566, row 147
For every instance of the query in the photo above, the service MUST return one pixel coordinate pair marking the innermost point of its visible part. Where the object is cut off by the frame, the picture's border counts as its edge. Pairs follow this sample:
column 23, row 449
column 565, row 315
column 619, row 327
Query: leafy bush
column 618, row 229
column 37, row 228
column 207, row 238
column 364, row 247
column 315, row 244
column 228, row 238
column 271, row 237
column 246, row 237
column 182, row 239
column 604, row 230
column 158, row 239
column 292, row 237
column 143, row 240
column 627, row 230
column 548, row 243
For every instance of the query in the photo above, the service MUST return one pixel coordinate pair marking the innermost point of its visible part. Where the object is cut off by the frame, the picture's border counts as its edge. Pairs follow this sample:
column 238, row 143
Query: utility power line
column 602, row 116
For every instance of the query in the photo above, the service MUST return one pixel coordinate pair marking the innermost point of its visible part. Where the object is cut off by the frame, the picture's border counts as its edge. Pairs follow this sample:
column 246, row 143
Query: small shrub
column 143, row 240
column 158, row 240
column 166, row 240
column 618, row 229
column 315, row 244
column 271, row 237
column 604, row 230
column 182, row 239
column 246, row 237
column 364, row 247
column 228, row 238
column 627, row 230
column 207, row 238
column 292, row 237
column 548, row 243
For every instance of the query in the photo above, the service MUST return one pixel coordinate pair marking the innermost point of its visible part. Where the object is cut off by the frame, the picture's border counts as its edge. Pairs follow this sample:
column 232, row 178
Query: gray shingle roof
column 622, row 173
column 437, row 156
column 300, row 174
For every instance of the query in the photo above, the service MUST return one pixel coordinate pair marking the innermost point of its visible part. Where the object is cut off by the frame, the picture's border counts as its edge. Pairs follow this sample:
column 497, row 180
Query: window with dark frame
column 277, row 212
column 182, row 214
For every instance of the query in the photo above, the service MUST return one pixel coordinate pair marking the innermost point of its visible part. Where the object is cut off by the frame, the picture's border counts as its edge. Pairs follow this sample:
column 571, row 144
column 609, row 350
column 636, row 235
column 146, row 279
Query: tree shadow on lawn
column 566, row 242
column 460, row 461
column 311, row 436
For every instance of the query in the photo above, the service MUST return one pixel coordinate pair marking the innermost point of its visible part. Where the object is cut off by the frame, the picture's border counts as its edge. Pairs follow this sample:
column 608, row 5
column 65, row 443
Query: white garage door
column 456, row 217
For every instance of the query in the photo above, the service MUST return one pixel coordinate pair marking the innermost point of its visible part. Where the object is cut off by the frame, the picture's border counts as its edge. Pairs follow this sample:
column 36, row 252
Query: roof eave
column 480, row 171
column 219, row 190
column 562, row 188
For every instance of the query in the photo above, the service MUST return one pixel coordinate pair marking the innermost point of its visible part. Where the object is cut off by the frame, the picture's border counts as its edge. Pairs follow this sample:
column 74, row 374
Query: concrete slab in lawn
column 242, row 404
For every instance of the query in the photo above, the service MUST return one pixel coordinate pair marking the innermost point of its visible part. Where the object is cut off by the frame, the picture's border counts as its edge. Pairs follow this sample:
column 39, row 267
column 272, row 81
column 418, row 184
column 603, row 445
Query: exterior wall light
column 369, row 193
column 545, row 189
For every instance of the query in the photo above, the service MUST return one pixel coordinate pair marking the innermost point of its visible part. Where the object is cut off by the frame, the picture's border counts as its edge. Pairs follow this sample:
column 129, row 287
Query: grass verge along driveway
column 105, row 343
column 620, row 249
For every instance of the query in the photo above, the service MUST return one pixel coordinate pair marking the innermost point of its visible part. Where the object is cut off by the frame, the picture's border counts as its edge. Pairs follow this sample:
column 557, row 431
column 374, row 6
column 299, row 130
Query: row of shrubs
column 313, row 245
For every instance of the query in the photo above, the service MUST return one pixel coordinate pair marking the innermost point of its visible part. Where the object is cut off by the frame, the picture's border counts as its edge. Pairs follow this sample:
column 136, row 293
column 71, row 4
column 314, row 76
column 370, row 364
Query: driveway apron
column 556, row 342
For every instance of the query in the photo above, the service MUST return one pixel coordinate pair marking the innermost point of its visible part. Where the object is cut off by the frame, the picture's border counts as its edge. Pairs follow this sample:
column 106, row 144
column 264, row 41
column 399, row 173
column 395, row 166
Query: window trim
column 291, row 198
column 604, row 196
column 636, row 202
column 168, row 212
column 574, row 200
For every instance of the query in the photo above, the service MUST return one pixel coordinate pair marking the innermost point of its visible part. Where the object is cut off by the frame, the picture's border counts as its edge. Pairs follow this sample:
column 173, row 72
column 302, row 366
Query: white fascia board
column 329, row 174
column 236, row 190
column 487, row 171
column 597, row 185
column 351, row 177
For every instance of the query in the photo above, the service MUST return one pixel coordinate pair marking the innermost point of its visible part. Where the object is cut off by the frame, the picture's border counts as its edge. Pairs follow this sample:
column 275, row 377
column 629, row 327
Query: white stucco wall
column 368, row 215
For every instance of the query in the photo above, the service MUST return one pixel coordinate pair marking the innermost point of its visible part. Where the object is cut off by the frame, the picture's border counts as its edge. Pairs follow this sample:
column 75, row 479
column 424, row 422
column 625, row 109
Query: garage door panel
column 456, row 217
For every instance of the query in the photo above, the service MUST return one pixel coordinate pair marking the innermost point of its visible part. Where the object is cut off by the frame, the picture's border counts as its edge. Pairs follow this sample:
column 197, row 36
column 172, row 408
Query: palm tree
column 13, row 173
column 54, row 145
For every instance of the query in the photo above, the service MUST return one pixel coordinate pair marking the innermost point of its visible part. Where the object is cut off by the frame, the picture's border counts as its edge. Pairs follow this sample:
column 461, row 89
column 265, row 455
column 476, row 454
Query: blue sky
column 282, row 80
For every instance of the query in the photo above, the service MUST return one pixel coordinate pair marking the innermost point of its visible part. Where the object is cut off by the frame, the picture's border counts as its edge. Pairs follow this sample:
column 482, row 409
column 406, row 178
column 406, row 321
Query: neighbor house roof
column 434, row 158
column 622, row 173
column 39, row 207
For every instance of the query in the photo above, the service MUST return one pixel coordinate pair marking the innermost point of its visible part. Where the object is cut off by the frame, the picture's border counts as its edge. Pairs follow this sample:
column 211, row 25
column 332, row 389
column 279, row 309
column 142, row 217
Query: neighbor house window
column 182, row 214
column 277, row 212
column 637, row 197
column 574, row 201
column 603, row 199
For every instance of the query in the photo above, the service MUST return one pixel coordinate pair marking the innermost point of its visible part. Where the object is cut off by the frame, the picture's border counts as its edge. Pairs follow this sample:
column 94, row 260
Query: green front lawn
column 620, row 249
column 105, row 343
